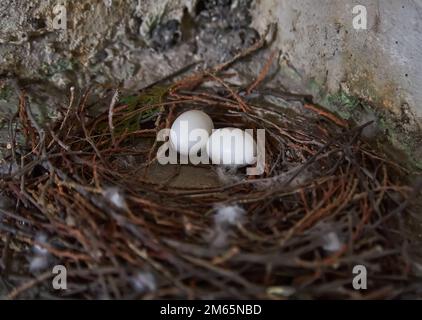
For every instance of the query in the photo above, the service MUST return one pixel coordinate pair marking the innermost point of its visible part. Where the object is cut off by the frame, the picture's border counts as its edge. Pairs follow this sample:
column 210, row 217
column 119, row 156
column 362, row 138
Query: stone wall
column 381, row 64
column 134, row 43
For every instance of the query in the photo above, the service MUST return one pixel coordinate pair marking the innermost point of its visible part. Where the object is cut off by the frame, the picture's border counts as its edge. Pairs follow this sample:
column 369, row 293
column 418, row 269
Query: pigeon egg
column 191, row 129
column 231, row 146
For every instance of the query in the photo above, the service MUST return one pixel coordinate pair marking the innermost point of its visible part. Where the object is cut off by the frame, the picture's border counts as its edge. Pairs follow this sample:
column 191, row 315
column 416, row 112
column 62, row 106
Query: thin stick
column 113, row 103
column 28, row 285
column 263, row 73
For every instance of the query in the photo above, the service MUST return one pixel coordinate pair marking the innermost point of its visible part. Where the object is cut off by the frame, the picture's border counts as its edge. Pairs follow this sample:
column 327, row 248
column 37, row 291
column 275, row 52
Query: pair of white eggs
column 194, row 130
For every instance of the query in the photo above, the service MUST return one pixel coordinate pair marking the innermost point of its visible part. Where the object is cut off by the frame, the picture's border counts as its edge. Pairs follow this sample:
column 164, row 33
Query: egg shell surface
column 191, row 128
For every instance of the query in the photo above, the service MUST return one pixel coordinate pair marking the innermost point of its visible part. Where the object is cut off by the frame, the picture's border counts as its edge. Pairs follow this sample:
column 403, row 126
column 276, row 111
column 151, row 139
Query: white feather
column 115, row 197
column 331, row 242
column 230, row 215
column 144, row 282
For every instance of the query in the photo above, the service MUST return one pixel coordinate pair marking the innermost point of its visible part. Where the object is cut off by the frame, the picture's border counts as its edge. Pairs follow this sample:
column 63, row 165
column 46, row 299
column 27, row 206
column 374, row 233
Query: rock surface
column 134, row 43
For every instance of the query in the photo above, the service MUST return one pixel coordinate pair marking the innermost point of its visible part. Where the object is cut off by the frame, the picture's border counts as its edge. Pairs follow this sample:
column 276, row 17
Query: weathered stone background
column 382, row 64
column 134, row 43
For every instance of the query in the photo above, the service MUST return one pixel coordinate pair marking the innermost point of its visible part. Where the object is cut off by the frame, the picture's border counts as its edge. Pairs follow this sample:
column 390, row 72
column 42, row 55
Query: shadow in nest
column 90, row 196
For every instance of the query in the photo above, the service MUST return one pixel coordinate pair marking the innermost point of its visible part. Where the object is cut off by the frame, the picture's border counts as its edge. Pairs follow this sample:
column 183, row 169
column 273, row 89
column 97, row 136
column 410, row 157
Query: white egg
column 190, row 132
column 231, row 146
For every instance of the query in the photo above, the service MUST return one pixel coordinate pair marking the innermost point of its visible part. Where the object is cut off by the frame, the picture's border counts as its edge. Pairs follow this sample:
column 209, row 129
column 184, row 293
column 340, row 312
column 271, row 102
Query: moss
column 60, row 66
column 152, row 20
column 315, row 88
column 148, row 97
column 391, row 136
column 344, row 100
column 291, row 73
column 6, row 93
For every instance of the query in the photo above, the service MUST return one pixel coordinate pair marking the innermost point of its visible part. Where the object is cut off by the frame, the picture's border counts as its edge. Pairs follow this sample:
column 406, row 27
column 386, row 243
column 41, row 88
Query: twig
column 113, row 103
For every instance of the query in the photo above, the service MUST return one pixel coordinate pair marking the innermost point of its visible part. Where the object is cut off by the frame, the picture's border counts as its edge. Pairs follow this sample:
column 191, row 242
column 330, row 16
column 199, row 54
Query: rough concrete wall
column 113, row 42
column 105, row 43
column 125, row 43
column 109, row 42
column 102, row 42
column 381, row 64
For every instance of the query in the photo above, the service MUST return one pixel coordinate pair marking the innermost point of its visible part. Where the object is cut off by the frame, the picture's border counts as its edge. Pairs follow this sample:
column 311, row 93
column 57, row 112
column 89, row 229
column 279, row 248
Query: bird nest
column 91, row 196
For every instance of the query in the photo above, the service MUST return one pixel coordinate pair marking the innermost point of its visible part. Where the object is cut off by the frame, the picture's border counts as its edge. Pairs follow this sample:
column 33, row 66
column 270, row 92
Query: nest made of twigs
column 326, row 202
